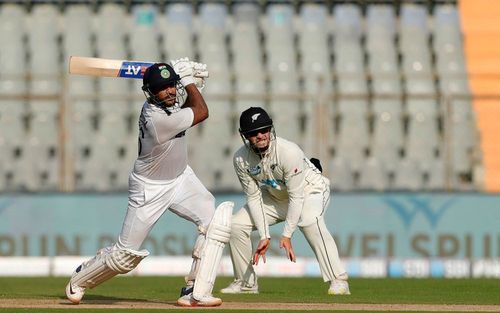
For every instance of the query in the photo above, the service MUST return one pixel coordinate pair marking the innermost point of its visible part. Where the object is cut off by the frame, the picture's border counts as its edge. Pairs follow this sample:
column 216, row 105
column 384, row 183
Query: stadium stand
column 378, row 90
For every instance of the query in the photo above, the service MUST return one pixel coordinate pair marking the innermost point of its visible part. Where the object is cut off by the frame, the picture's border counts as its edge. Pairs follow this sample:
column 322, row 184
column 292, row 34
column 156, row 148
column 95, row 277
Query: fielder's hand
column 184, row 69
column 286, row 243
column 261, row 251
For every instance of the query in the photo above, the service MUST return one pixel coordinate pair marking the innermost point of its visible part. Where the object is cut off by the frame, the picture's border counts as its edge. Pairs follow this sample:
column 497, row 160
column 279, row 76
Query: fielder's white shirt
column 286, row 173
column 162, row 142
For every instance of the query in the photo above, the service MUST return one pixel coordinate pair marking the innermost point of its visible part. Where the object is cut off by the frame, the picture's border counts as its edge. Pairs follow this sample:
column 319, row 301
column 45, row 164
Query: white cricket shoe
column 238, row 286
column 339, row 287
column 206, row 301
column 74, row 293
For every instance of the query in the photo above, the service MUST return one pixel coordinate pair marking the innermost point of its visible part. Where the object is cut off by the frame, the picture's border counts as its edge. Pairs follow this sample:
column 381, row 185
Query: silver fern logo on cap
column 255, row 117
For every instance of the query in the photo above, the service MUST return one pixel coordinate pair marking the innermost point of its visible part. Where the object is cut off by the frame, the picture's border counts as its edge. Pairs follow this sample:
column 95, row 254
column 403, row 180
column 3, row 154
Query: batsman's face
column 260, row 138
column 168, row 95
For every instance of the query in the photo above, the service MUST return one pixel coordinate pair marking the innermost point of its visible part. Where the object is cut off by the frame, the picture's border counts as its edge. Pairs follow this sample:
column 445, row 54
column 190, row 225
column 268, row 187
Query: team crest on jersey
column 254, row 170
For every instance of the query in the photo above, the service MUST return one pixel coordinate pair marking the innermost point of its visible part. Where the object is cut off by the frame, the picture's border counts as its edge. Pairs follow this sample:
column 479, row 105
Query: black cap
column 158, row 76
column 254, row 118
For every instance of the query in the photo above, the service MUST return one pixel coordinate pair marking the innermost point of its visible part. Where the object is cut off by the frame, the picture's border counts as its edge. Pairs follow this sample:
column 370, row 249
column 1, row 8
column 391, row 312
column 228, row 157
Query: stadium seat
column 436, row 180
column 13, row 138
column 285, row 111
column 313, row 46
column 246, row 12
column 278, row 26
column 422, row 142
column 407, row 176
column 77, row 31
column 250, row 87
column 380, row 21
column 347, row 21
column 43, row 49
column 279, row 39
column 414, row 40
column 446, row 27
column 178, row 23
column 13, row 56
column 352, row 141
column 353, row 85
column 83, row 130
column 381, row 50
column 462, row 135
column 144, row 37
column 42, row 149
column 12, row 30
column 382, row 61
column 349, row 58
column 341, row 174
column 387, row 141
column 110, row 39
column 212, row 37
column 454, row 85
column 372, row 175
column 246, row 49
column 41, row 153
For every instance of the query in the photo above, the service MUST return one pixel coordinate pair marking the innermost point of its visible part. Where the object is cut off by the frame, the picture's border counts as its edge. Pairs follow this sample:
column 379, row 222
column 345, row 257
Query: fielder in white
column 281, row 184
column 161, row 180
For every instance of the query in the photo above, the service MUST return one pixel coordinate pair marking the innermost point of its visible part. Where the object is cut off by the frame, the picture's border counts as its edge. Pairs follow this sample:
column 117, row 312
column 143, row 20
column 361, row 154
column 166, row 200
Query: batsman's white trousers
column 311, row 224
column 149, row 199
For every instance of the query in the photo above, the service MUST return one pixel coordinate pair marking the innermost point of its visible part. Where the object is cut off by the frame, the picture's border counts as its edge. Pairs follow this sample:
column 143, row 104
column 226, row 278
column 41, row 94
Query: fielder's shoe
column 74, row 293
column 339, row 287
column 206, row 301
column 238, row 286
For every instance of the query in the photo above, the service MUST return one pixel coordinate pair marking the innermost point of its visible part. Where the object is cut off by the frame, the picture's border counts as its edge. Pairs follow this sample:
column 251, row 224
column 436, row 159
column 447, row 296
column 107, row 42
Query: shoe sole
column 240, row 292
column 339, row 294
column 198, row 304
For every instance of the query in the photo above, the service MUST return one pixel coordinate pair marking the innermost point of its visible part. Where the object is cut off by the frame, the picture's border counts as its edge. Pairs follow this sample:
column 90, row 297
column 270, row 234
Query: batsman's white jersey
column 162, row 142
column 161, row 178
column 282, row 186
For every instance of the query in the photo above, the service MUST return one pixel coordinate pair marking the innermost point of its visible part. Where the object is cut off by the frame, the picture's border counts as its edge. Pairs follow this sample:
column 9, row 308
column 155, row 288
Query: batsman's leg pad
column 108, row 263
column 218, row 234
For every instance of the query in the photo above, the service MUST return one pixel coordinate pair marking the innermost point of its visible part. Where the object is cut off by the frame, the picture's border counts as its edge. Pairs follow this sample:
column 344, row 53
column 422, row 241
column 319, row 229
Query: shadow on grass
column 100, row 299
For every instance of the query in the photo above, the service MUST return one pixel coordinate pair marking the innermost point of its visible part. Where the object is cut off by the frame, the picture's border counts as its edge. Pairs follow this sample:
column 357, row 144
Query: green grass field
column 272, row 290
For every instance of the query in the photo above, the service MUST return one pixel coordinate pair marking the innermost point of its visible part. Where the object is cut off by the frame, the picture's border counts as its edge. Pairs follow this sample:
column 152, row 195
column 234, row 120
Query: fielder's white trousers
column 149, row 199
column 311, row 224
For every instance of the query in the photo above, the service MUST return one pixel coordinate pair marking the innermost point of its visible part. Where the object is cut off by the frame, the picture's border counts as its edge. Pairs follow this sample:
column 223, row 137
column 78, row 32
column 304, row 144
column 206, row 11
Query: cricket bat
column 107, row 67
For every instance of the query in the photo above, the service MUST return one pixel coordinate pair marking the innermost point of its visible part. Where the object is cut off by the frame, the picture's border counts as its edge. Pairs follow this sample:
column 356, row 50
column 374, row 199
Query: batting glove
column 200, row 74
column 184, row 69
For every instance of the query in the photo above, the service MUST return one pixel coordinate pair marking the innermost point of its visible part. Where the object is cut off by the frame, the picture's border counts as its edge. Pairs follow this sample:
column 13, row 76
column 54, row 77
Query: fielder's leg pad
column 108, row 263
column 218, row 234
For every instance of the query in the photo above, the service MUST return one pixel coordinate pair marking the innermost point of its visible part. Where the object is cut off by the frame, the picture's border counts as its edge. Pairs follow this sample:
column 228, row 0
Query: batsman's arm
column 196, row 102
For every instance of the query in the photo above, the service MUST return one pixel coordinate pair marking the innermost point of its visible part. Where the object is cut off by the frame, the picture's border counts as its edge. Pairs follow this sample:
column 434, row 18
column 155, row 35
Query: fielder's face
column 259, row 139
column 167, row 95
